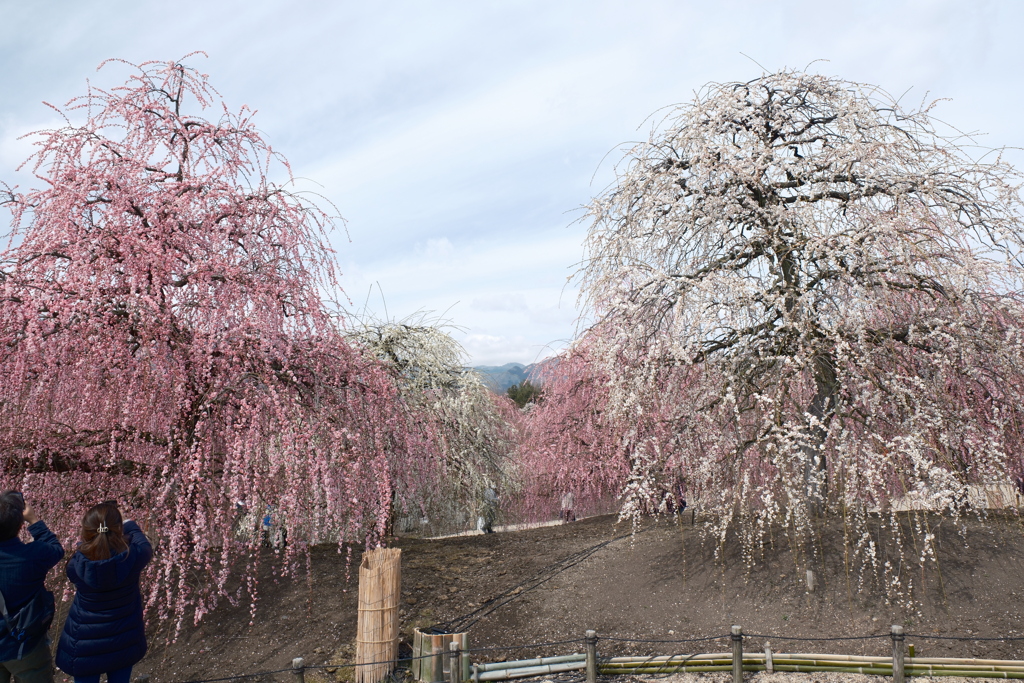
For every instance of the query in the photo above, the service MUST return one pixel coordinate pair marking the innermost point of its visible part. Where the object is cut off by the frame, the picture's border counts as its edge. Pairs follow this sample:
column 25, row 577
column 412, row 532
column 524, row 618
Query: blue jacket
column 23, row 568
column 104, row 629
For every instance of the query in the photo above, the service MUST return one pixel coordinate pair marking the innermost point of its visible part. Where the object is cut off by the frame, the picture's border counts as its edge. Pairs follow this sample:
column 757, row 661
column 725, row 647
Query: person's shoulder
column 12, row 542
column 73, row 569
column 44, row 542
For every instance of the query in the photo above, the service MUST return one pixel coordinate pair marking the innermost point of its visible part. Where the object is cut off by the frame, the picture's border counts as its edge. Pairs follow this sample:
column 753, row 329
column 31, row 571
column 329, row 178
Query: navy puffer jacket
column 104, row 629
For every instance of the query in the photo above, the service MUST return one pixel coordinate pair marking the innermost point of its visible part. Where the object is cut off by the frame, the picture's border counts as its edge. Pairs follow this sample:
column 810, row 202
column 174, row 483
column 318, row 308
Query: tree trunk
column 822, row 408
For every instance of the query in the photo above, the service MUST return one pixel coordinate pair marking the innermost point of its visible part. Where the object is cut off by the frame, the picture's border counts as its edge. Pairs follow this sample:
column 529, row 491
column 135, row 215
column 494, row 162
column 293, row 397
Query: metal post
column 299, row 669
column 898, row 639
column 737, row 654
column 455, row 663
column 591, row 641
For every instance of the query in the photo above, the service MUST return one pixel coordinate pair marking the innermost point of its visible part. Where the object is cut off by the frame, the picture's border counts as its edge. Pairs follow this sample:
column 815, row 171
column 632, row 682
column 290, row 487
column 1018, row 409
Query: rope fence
column 822, row 639
column 927, row 636
column 677, row 640
column 738, row 661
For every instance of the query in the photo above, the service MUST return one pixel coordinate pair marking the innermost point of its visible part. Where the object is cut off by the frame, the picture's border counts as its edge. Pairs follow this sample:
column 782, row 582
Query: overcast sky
column 460, row 139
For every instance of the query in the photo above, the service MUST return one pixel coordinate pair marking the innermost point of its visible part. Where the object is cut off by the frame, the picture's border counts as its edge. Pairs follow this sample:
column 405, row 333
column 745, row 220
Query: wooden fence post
column 591, row 641
column 417, row 655
column 436, row 659
column 455, row 665
column 737, row 654
column 299, row 669
column 898, row 639
column 769, row 662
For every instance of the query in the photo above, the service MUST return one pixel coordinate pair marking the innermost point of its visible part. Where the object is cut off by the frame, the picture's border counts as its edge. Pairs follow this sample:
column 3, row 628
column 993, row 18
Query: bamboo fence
column 380, row 585
column 808, row 662
column 443, row 658
column 898, row 666
column 430, row 655
column 752, row 662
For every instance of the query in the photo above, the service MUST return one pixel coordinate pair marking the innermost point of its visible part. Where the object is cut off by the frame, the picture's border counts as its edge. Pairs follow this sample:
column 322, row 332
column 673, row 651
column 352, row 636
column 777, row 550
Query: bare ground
column 663, row 583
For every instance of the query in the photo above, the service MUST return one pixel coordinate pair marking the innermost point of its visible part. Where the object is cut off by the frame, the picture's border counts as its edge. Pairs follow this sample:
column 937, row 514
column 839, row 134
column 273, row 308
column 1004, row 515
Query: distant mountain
column 499, row 378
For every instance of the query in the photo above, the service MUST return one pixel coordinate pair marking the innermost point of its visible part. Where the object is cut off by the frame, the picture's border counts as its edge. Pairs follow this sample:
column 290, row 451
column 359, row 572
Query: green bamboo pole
column 980, row 670
column 829, row 657
column 537, row 661
column 971, row 674
column 955, row 660
column 1017, row 666
column 808, row 657
column 663, row 669
column 909, row 662
column 825, row 662
column 803, row 668
column 529, row 671
column 670, row 658
column 642, row 662
column 670, row 665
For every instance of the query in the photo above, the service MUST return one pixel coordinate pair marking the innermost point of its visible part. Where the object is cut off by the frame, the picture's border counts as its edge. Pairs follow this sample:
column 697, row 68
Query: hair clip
column 102, row 529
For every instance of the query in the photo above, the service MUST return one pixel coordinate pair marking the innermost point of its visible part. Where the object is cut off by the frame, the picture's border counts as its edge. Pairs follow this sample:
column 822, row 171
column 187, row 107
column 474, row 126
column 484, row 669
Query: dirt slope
column 661, row 584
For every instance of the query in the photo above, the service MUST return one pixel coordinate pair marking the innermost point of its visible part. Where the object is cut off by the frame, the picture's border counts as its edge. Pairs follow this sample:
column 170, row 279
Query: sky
column 461, row 141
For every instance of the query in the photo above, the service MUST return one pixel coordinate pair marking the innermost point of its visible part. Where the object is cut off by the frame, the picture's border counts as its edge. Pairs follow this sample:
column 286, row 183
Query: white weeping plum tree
column 474, row 431
column 834, row 285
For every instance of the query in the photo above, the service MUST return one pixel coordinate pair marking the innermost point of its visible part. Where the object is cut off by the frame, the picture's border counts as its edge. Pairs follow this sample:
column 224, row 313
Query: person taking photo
column 104, row 631
column 26, row 607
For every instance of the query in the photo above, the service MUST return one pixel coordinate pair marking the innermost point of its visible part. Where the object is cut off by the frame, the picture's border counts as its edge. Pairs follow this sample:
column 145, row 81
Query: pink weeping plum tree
column 164, row 341
column 574, row 442
column 807, row 304
column 568, row 444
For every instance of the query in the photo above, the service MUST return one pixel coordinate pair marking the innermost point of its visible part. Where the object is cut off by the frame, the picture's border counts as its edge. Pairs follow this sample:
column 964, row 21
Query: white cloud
column 505, row 301
column 509, row 291
column 496, row 350
column 458, row 138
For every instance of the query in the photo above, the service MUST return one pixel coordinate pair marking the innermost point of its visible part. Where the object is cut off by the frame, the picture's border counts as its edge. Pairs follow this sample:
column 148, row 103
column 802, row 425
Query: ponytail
column 102, row 532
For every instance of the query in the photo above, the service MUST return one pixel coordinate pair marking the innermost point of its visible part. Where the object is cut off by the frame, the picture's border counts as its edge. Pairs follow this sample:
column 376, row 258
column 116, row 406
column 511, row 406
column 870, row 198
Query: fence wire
column 933, row 637
column 820, row 638
column 678, row 640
